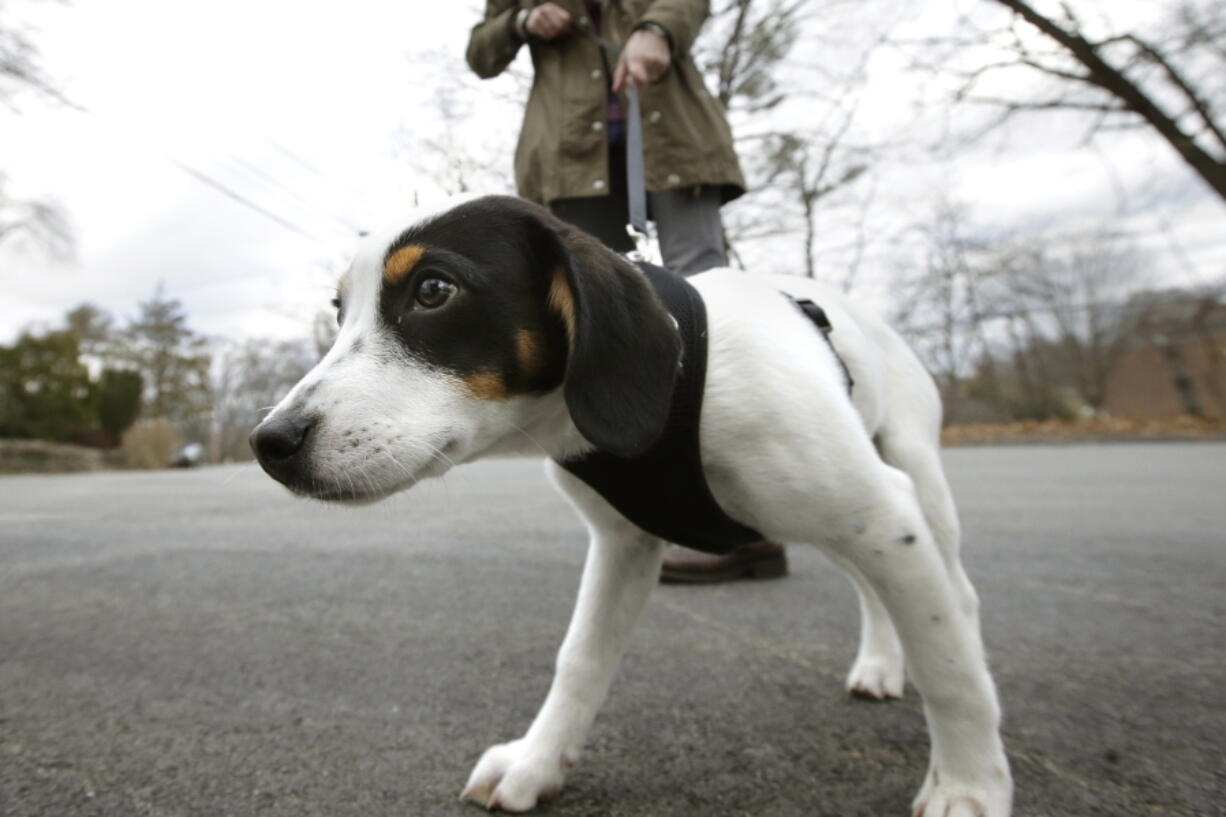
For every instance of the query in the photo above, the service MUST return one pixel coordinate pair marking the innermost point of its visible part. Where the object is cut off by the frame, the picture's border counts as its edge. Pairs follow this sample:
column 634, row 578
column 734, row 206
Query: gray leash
column 636, row 180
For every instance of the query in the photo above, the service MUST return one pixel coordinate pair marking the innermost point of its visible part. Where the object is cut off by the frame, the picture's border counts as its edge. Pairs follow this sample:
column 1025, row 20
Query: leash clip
column 642, row 245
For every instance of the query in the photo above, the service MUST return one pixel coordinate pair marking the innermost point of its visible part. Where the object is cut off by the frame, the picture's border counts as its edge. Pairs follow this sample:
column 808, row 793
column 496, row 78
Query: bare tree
column 20, row 66
column 39, row 221
column 810, row 168
column 1168, row 80
column 1018, row 328
column 745, row 46
column 1024, row 382
column 1077, row 296
column 751, row 56
column 249, row 377
column 444, row 143
column 940, row 310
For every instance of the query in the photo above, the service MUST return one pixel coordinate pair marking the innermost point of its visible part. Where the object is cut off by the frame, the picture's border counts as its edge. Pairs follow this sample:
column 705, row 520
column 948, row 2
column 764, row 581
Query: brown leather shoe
column 760, row 560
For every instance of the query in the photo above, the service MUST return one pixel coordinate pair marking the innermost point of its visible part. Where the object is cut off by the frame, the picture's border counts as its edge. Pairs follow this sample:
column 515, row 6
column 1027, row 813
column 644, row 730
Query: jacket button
column 598, row 126
column 596, row 73
column 598, row 184
column 673, row 178
column 654, row 117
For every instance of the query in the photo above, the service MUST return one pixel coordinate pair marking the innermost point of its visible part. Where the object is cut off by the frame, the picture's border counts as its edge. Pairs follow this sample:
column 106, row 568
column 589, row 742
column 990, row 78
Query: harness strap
column 664, row 490
column 818, row 316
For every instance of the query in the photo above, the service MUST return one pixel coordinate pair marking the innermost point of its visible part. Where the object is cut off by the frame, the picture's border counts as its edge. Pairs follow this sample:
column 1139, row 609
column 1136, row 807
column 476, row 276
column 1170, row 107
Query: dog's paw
column 877, row 678
column 943, row 797
column 515, row 777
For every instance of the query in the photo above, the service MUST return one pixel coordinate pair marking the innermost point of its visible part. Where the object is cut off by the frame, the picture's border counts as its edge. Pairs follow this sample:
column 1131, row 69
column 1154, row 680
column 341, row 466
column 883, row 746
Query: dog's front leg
column 623, row 565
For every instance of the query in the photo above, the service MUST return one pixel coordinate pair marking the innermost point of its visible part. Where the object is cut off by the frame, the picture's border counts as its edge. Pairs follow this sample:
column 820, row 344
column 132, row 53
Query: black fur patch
column 539, row 303
column 496, row 253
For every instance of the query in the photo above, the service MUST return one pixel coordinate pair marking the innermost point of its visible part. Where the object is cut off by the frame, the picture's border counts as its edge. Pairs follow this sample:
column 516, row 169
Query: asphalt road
column 199, row 643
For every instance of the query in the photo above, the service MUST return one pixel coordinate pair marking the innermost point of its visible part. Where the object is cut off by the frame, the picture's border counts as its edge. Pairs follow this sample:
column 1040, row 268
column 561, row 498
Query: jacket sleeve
column 680, row 18
column 492, row 44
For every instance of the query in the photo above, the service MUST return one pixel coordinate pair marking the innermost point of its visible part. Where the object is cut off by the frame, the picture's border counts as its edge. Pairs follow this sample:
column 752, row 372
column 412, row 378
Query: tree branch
column 1113, row 81
column 1198, row 104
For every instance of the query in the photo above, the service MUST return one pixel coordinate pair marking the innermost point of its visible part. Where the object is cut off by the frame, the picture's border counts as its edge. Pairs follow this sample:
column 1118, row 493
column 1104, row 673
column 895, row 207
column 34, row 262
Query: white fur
column 785, row 451
column 381, row 428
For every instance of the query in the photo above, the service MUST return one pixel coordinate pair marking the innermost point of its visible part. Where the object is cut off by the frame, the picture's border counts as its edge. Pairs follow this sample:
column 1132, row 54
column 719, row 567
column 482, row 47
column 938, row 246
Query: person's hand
column 644, row 60
column 547, row 21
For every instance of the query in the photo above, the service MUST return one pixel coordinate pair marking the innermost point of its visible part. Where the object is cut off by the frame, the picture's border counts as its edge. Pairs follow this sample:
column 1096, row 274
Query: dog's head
column 453, row 334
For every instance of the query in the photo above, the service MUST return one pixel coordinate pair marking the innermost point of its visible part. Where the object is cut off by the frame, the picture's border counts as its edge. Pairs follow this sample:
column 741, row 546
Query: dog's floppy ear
column 624, row 348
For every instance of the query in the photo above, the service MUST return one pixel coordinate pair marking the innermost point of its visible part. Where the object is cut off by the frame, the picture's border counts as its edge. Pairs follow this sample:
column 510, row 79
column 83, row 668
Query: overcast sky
column 305, row 110
column 295, row 106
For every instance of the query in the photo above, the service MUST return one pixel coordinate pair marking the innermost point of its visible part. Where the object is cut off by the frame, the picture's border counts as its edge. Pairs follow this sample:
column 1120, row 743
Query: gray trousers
column 687, row 221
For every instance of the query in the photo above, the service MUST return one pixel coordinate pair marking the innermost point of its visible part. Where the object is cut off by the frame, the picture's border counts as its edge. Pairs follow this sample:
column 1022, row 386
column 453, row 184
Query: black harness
column 664, row 490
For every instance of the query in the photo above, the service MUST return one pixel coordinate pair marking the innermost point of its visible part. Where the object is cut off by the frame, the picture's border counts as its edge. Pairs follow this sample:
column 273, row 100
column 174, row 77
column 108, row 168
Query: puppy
column 492, row 328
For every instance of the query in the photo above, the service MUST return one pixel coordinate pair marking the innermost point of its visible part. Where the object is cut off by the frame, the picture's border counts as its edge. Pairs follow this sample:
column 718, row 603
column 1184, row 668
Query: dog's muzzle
column 280, row 444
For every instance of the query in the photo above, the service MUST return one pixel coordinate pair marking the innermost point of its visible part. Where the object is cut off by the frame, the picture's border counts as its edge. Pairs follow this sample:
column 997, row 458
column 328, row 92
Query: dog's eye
column 433, row 293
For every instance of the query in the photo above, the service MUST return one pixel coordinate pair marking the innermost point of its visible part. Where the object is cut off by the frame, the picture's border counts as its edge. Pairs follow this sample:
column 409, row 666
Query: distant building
column 1175, row 364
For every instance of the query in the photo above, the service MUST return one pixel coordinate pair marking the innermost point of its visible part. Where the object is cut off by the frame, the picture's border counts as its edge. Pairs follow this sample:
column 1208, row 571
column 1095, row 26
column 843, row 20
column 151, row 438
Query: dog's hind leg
column 622, row 568
column 911, row 446
column 909, row 439
column 915, row 451
column 894, row 550
column 878, row 673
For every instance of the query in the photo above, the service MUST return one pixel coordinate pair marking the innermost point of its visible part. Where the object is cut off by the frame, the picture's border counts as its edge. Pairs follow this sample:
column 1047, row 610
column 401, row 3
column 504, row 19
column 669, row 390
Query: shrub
column 150, row 444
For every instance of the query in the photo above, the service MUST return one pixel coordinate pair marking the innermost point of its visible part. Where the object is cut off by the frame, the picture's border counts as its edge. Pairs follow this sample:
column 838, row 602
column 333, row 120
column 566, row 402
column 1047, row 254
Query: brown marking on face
column 402, row 262
column 487, row 386
column 528, row 353
column 562, row 301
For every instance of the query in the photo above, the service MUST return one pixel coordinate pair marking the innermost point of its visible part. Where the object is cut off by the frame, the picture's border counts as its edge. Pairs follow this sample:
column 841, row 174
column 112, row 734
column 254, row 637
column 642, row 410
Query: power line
column 238, row 197
column 218, row 186
column 277, row 186
column 306, row 165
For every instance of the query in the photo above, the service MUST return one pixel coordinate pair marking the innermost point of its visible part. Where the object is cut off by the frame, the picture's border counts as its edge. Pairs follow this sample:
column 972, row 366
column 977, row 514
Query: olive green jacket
column 562, row 151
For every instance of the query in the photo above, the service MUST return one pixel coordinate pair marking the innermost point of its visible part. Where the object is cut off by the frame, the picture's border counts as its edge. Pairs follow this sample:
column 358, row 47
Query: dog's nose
column 280, row 437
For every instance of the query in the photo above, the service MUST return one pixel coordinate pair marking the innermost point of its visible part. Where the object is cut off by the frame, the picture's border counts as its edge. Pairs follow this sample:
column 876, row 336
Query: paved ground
column 198, row 643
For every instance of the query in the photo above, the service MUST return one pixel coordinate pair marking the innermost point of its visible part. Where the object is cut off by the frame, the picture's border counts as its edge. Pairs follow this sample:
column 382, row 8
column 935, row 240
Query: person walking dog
column 571, row 154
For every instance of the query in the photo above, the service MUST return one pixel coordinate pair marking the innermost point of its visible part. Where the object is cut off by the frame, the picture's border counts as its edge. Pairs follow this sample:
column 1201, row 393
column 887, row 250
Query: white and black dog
column 492, row 328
